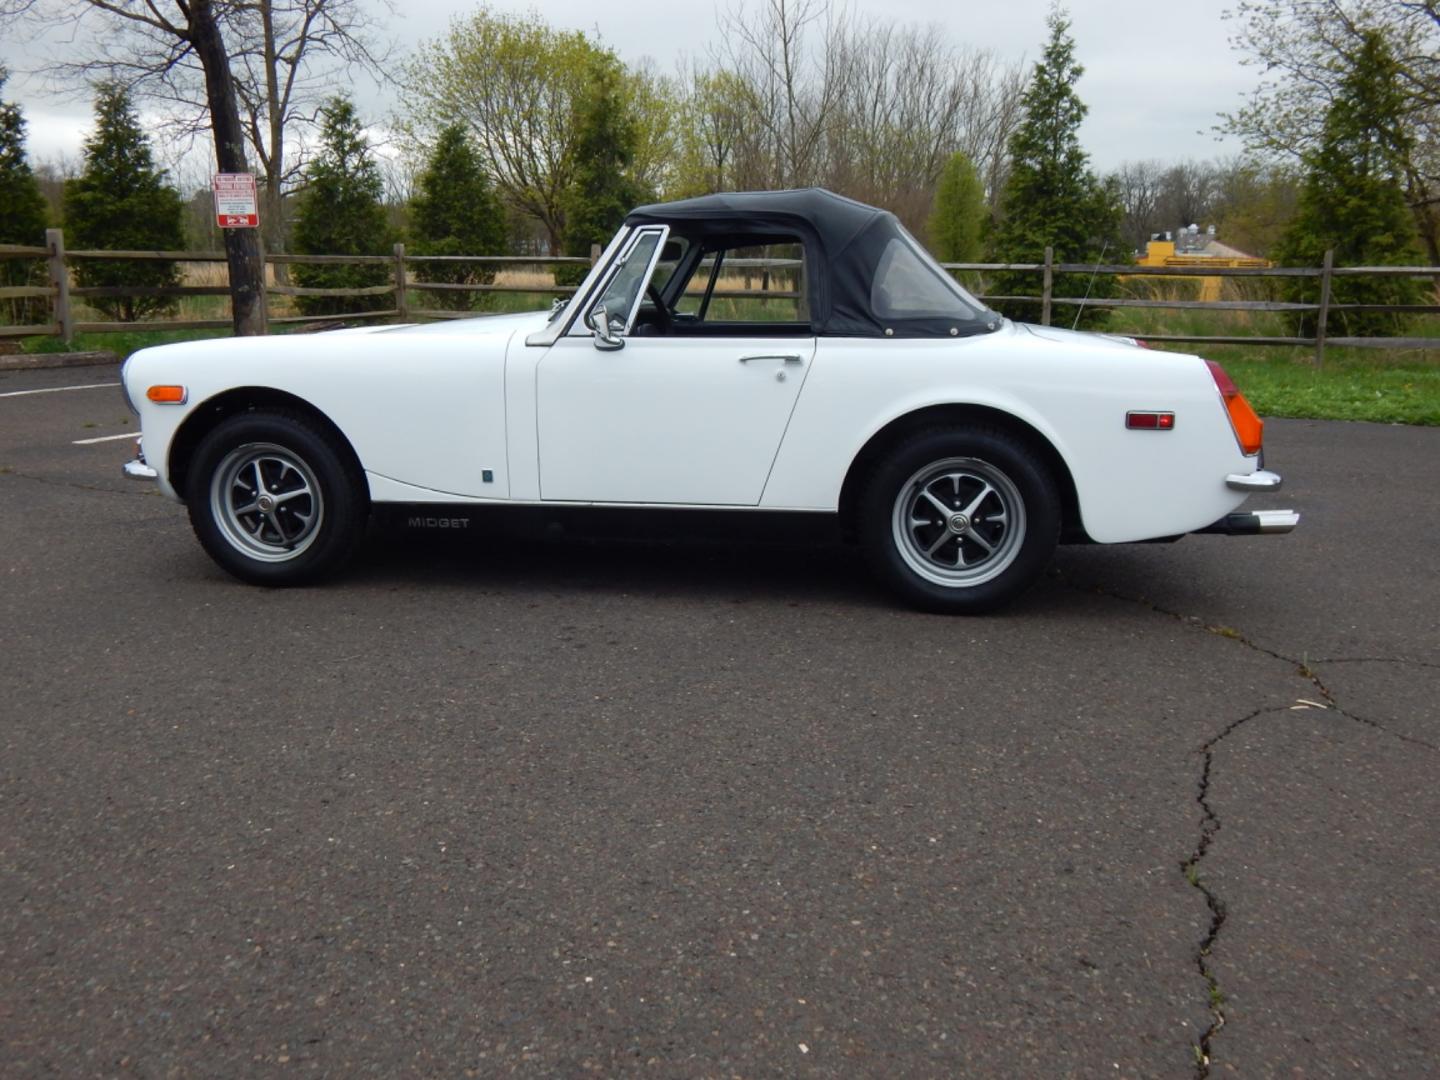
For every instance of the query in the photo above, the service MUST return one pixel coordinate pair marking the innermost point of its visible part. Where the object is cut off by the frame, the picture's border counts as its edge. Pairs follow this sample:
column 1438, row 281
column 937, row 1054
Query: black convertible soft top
column 846, row 242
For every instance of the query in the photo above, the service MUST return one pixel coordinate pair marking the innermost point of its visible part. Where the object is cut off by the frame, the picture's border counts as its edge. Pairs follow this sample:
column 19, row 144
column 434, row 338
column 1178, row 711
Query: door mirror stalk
column 606, row 339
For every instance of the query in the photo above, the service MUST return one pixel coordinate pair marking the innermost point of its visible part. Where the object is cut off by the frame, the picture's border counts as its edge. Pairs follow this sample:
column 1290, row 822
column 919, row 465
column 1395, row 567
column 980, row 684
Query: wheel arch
column 1072, row 529
column 210, row 413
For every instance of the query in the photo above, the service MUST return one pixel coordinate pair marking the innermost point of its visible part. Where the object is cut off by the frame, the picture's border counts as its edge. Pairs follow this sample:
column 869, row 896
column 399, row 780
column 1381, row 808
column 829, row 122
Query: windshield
column 910, row 284
column 624, row 289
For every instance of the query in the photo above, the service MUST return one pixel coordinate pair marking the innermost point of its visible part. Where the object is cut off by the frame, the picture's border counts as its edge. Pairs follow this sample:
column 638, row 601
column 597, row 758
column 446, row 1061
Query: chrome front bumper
column 138, row 470
column 1254, row 523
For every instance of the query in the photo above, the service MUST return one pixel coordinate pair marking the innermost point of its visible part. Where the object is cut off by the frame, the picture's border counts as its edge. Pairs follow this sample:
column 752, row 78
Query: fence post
column 1323, row 315
column 594, row 254
column 402, row 305
column 1049, row 286
column 60, row 279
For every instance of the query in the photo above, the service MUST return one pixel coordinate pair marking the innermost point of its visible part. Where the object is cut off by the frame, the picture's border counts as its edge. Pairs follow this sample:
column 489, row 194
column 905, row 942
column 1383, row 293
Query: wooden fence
column 61, row 294
column 1323, row 308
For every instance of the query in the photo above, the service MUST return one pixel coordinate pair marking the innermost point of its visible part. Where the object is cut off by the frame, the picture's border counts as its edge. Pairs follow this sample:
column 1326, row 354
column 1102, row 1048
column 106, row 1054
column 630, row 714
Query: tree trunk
column 273, row 203
column 243, row 253
column 275, row 234
column 1427, row 214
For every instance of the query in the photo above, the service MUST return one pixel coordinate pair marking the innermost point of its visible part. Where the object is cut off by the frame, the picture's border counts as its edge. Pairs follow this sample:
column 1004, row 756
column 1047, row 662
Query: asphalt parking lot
column 567, row 807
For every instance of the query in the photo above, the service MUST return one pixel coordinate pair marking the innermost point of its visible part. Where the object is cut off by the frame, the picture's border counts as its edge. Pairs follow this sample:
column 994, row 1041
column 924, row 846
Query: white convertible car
column 770, row 352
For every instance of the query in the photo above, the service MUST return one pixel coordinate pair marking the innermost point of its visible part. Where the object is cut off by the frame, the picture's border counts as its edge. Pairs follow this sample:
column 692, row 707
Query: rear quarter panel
column 1131, row 485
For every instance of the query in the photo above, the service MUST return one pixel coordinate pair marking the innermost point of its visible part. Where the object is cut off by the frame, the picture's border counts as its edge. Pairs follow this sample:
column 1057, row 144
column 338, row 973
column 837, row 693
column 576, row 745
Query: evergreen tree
column 340, row 214
column 1052, row 198
column 455, row 212
column 1353, row 200
column 958, row 218
column 22, row 216
column 601, row 190
column 120, row 202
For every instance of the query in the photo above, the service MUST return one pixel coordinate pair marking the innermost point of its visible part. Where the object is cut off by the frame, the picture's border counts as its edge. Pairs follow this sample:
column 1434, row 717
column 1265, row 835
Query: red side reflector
column 1150, row 421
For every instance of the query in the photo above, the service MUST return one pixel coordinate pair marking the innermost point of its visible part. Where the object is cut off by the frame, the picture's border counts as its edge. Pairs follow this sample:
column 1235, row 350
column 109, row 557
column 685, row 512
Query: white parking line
column 107, row 438
column 58, row 389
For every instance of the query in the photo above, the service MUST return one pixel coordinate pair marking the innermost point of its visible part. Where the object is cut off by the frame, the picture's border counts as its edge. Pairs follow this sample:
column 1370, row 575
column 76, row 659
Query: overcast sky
column 1157, row 71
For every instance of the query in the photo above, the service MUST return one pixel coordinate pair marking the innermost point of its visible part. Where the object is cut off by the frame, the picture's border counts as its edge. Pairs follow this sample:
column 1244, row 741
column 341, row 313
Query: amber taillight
column 1248, row 427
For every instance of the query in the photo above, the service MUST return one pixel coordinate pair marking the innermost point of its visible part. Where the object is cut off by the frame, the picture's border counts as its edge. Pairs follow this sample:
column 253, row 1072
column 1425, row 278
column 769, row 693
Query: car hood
column 324, row 342
column 479, row 325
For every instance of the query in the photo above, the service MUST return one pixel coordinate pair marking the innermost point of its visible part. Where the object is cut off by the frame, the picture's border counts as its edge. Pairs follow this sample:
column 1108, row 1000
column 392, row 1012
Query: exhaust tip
column 1255, row 523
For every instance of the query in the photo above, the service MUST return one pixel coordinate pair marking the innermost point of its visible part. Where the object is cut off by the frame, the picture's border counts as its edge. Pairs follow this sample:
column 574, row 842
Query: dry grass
column 522, row 278
column 214, row 273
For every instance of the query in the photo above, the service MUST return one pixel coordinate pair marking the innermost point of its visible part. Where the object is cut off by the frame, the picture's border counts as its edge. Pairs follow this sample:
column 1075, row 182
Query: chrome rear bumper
column 1254, row 523
column 1259, row 480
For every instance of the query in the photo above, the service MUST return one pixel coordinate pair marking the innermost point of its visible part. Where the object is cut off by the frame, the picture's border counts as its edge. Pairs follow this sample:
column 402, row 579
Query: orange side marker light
column 167, row 395
column 1249, row 428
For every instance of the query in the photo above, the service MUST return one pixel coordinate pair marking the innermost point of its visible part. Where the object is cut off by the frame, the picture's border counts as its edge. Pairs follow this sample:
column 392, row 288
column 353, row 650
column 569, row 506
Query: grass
column 1388, row 386
column 122, row 344
column 1349, row 388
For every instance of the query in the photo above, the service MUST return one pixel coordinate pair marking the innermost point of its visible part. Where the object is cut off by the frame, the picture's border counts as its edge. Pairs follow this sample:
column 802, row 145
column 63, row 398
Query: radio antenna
column 1090, row 285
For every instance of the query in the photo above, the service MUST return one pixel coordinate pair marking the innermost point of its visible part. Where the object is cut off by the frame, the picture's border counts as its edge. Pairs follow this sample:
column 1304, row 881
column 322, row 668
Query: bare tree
column 792, row 88
column 183, row 32
column 1140, row 184
column 908, row 100
column 802, row 93
column 285, row 58
column 289, row 55
column 995, row 92
column 1187, row 194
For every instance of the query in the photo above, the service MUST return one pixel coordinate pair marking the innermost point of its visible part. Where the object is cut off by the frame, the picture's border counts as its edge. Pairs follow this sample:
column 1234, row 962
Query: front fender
column 431, row 417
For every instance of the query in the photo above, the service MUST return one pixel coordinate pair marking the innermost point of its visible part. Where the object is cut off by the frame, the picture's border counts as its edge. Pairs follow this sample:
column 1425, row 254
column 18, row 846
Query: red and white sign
column 236, row 205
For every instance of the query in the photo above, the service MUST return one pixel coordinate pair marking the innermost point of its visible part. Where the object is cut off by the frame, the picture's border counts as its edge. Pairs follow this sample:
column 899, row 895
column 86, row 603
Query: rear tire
column 960, row 521
column 276, row 499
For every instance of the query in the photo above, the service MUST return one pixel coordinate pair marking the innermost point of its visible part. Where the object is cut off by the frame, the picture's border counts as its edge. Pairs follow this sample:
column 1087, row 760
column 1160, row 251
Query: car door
column 678, row 420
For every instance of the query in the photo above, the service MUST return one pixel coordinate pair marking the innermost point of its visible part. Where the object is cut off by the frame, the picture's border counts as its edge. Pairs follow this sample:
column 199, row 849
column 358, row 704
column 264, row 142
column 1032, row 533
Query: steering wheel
column 662, row 313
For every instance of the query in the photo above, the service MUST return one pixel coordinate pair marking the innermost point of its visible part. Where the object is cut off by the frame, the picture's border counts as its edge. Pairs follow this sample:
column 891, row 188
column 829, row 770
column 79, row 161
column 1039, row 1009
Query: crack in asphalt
column 1190, row 867
column 1376, row 660
column 1305, row 669
column 1309, row 673
column 1210, row 821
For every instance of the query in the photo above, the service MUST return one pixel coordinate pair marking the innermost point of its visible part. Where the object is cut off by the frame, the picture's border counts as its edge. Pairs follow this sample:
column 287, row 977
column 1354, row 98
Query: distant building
column 1188, row 246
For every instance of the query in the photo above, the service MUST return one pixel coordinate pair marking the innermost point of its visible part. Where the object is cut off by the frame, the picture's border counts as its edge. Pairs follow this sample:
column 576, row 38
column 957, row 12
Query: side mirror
column 605, row 337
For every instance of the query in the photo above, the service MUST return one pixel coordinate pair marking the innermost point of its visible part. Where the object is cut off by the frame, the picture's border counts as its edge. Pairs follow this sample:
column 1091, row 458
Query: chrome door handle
column 789, row 358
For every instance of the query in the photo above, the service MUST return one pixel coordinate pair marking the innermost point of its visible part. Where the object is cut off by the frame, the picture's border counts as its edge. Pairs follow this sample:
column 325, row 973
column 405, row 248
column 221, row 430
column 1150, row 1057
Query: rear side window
column 908, row 286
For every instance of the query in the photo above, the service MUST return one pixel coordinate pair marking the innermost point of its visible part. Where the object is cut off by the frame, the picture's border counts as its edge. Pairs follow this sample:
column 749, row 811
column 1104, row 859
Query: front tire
column 275, row 499
column 960, row 521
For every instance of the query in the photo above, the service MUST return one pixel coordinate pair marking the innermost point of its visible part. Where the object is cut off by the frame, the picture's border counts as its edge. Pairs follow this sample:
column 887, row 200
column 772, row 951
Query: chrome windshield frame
column 622, row 259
